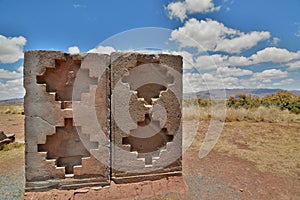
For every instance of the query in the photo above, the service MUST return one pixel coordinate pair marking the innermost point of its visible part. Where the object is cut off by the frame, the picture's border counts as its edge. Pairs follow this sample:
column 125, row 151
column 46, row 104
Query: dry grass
column 10, row 146
column 272, row 147
column 269, row 137
column 11, row 154
column 13, row 124
column 260, row 114
column 11, row 108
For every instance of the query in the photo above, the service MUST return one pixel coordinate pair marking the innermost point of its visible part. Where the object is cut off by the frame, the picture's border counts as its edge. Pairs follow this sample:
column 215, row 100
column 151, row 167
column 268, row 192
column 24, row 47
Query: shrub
column 285, row 100
column 11, row 108
column 280, row 107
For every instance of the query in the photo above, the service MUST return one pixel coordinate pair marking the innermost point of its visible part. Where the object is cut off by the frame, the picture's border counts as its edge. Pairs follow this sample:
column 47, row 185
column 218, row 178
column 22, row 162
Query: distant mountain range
column 214, row 94
column 219, row 93
column 13, row 100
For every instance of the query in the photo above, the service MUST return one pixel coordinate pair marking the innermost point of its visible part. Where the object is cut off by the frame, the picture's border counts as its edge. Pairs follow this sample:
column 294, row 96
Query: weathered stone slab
column 62, row 148
column 87, row 114
column 146, row 116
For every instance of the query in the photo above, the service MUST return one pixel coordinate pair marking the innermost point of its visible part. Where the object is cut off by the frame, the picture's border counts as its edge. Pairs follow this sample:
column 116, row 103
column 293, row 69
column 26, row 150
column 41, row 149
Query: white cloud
column 211, row 35
column 227, row 71
column 294, row 65
column 274, row 54
column 102, row 49
column 188, row 59
column 232, row 78
column 211, row 61
column 74, row 50
column 177, row 9
column 181, row 9
column 269, row 74
column 275, row 41
column 200, row 6
column 5, row 74
column 266, row 81
column 206, row 33
column 79, row 6
column 11, row 48
column 12, row 89
column 241, row 42
column 213, row 81
column 229, row 82
column 215, row 61
column 194, row 82
column 284, row 82
column 238, row 61
column 11, row 84
column 207, row 62
column 298, row 32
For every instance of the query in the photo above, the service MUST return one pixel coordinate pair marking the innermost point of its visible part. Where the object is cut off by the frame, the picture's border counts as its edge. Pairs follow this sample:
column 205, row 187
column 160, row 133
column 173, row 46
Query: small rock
column 81, row 191
column 241, row 190
column 2, row 135
column 11, row 137
column 96, row 188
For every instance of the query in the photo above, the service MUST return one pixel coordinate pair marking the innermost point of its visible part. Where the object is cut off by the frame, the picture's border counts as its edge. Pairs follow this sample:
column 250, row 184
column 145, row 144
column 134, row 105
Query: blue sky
column 246, row 44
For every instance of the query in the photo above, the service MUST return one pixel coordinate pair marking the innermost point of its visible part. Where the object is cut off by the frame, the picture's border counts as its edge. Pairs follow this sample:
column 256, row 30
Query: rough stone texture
column 146, row 116
column 6, row 139
column 72, row 136
column 63, row 150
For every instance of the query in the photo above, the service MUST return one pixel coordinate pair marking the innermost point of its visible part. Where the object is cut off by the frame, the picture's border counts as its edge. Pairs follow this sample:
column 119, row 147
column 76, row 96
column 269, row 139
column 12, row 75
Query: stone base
column 66, row 184
column 144, row 177
column 172, row 186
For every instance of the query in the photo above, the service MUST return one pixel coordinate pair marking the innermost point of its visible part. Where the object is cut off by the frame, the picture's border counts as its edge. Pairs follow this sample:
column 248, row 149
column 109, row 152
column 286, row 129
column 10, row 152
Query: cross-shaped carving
column 153, row 87
column 61, row 79
column 66, row 147
column 147, row 147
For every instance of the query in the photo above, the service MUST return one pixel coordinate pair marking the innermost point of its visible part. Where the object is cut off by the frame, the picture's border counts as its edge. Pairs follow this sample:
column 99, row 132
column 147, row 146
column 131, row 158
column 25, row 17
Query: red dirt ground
column 13, row 124
column 213, row 177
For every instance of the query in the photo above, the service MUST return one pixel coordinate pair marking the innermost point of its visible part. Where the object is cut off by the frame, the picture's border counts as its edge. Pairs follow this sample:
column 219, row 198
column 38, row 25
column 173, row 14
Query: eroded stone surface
column 146, row 116
column 60, row 149
column 89, row 113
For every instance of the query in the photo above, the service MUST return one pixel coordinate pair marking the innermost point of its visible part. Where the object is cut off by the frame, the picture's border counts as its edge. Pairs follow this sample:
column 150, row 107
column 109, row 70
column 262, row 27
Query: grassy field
column 12, row 156
column 260, row 114
column 11, row 108
column 269, row 137
column 273, row 147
